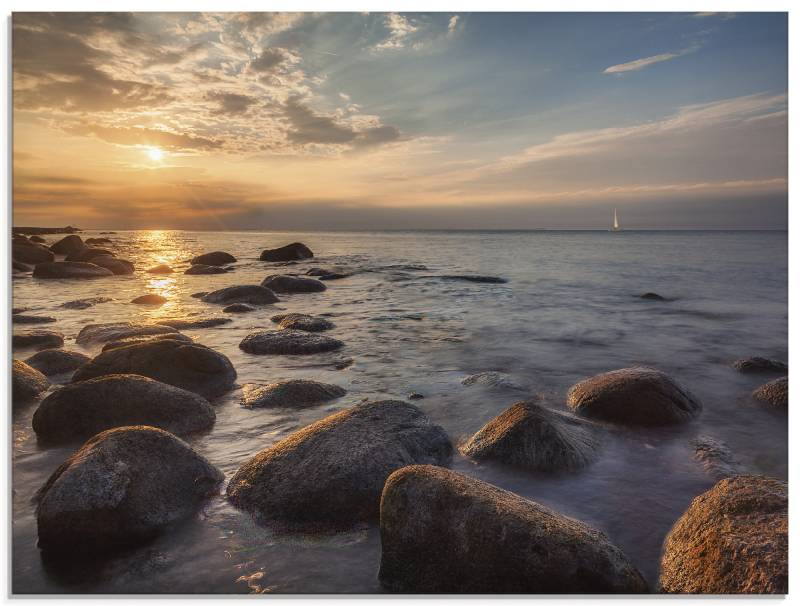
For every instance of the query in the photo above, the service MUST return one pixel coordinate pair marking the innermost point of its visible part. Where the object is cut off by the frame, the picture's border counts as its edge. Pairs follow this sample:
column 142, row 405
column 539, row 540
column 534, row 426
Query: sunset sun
column 155, row 154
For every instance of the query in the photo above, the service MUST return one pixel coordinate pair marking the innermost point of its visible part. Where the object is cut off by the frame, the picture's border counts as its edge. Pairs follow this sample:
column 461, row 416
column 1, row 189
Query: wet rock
column 199, row 295
column 291, row 393
column 87, row 254
column 327, row 277
column 415, row 396
column 186, row 365
column 37, row 239
column 291, row 252
column 651, row 296
column 238, row 308
column 38, row 339
column 634, row 396
column 774, row 394
column 119, row 267
column 442, row 532
column 91, row 241
column 175, row 336
column 319, row 271
column 492, row 378
column 292, row 284
column 530, row 436
column 213, row 258
column 21, row 267
column 85, row 303
column 70, row 269
column 56, row 361
column 26, row 382
column 758, row 364
column 67, row 245
column 717, row 459
column 181, row 324
column 31, row 253
column 477, row 279
column 160, row 269
column 81, row 410
column 302, row 322
column 196, row 270
column 116, row 491
column 732, row 539
column 18, row 310
column 287, row 342
column 150, row 299
column 69, row 229
column 23, row 319
column 114, row 331
column 330, row 474
column 249, row 293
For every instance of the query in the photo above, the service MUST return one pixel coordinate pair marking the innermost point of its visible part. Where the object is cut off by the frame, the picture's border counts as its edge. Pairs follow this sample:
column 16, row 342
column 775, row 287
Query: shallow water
column 568, row 311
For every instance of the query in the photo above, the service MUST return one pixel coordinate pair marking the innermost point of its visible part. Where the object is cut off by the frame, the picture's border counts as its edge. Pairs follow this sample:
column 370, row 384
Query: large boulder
column 70, row 269
column 732, row 539
column 214, row 258
column 199, row 269
column 26, row 382
column 774, row 394
column 37, row 339
column 81, row 410
column 114, row 331
column 186, row 365
column 302, row 322
column 292, row 284
column 442, row 532
column 68, row 245
column 119, row 267
column 330, row 474
column 291, row 252
column 87, row 254
column 247, row 293
column 530, row 436
column 31, row 253
column 290, row 393
column 174, row 336
column 634, row 396
column 123, row 487
column 287, row 342
column 57, row 361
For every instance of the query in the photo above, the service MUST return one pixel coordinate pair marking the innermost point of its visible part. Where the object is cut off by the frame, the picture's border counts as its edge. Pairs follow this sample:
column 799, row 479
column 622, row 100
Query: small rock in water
column 249, row 293
column 651, row 296
column 68, row 245
column 114, row 331
column 91, row 241
column 198, row 270
column 119, row 267
column 85, row 303
column 179, row 324
column 415, row 396
column 26, row 382
column 57, row 361
column 302, row 322
column 290, row 393
column 38, row 339
column 150, row 299
column 199, row 295
column 175, row 336
column 239, row 308
column 38, row 239
column 318, row 271
column 716, row 458
column 478, row 279
column 291, row 252
column 214, row 258
column 160, row 269
column 287, row 342
column 774, row 394
column 70, row 269
column 758, row 364
column 492, row 378
column 23, row 319
column 327, row 277
column 292, row 284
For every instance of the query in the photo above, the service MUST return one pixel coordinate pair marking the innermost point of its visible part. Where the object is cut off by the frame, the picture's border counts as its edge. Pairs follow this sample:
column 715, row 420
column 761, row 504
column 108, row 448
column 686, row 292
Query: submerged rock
column 214, row 258
column 91, row 241
column 199, row 295
column 81, row 410
column 174, row 336
column 197, row 270
column 186, row 365
column 26, row 382
column 442, row 532
column 160, row 269
column 38, row 339
column 758, row 364
column 287, row 342
column 291, row 252
column 302, row 322
column 291, row 393
column 85, row 303
column 334, row 276
column 23, row 319
column 116, row 491
column 248, row 293
column 68, row 245
column 150, row 299
column 717, row 459
column 57, row 361
column 732, row 539
column 87, row 254
column 478, row 279
column 31, row 253
column 492, row 378
column 119, row 267
column 70, row 269
column 533, row 437
column 38, row 239
column 651, row 296
column 330, row 474
column 185, row 324
column 634, row 396
column 774, row 394
column 292, row 284
column 238, row 308
column 114, row 331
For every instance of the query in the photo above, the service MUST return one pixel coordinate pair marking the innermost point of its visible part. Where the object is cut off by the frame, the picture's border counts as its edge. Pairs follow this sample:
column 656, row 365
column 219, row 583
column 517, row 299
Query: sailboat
column 616, row 226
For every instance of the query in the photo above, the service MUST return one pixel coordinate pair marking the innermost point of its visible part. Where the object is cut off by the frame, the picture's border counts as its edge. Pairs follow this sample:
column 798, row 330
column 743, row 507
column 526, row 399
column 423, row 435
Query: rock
column 23, row 319
column 85, row 303
column 291, row 393
column 31, row 253
column 478, row 279
column 68, row 245
column 37, row 339
column 175, row 336
column 330, row 474
column 160, row 269
column 20, row 267
column 81, row 410
column 291, row 252
column 292, row 284
column 732, row 539
column 198, row 295
column 442, row 532
column 114, row 331
column 119, row 267
column 492, row 378
column 327, row 277
column 38, row 239
column 18, row 310
column 116, row 491
column 319, row 271
column 302, row 322
column 45, row 230
column 532, row 437
column 87, row 254
column 214, row 258
column 186, row 324
column 150, row 299
column 757, row 364
column 415, row 396
column 56, row 361
column 195, row 270
column 253, row 294
column 651, row 296
column 287, row 342
column 186, row 365
column 716, row 458
column 634, row 396
column 70, row 269
column 238, row 308
column 90, row 241
column 26, row 382
column 774, row 394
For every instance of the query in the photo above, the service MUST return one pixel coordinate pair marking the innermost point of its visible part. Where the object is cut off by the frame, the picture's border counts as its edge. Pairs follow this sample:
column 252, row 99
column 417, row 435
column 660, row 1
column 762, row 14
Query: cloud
column 146, row 136
column 638, row 64
column 270, row 59
column 231, row 103
column 400, row 28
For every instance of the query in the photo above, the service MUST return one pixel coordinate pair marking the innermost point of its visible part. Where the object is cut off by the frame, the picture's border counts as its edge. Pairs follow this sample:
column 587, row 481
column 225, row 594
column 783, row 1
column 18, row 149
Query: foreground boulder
column 302, row 322
column 68, row 245
column 291, row 252
column 287, row 343
column 248, row 293
column 758, row 364
column 732, row 539
column 175, row 336
column 292, row 284
column 214, row 258
column 291, row 393
column 114, row 331
column 160, row 269
column 119, row 267
column 530, row 436
column 199, row 269
column 70, row 269
column 26, row 382
column 634, row 396
column 774, row 394
column 189, row 366
column 442, row 532
column 116, row 491
column 81, row 410
column 31, row 253
column 57, row 361
column 37, row 339
column 149, row 299
column 330, row 474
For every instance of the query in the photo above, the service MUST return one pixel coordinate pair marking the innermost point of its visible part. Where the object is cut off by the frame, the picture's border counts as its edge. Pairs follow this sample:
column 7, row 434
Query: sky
column 400, row 120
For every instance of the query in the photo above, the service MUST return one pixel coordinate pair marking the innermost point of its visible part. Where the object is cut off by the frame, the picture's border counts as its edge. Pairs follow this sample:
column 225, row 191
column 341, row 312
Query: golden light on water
column 164, row 248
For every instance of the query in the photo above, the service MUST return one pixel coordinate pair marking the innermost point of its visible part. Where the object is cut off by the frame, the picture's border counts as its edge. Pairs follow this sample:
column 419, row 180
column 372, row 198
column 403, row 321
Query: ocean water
column 569, row 310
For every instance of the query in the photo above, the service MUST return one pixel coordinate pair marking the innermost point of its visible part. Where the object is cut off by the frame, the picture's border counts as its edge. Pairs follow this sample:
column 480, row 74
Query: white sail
column 616, row 223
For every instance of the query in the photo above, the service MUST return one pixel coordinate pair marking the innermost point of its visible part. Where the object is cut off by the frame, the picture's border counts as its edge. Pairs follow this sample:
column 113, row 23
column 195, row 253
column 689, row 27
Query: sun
column 155, row 154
